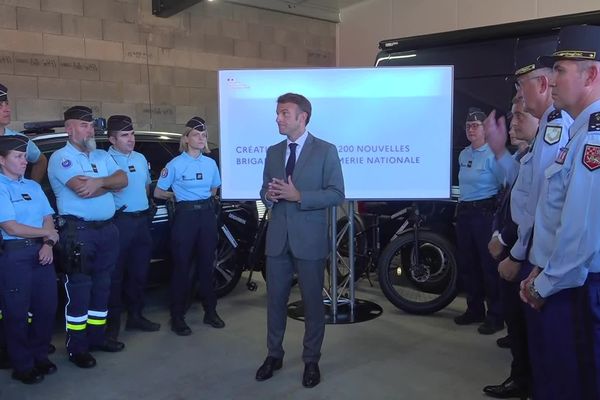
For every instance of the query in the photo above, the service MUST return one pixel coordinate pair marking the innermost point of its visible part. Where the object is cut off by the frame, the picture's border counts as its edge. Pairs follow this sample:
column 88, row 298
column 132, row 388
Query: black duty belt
column 485, row 204
column 21, row 243
column 193, row 205
column 70, row 219
column 133, row 214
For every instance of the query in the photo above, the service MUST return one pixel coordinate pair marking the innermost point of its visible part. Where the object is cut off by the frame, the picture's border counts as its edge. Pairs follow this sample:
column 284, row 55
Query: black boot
column 140, row 323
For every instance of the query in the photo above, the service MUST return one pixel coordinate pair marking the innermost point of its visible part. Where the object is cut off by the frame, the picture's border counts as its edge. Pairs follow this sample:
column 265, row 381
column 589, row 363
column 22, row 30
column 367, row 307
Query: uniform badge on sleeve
column 591, row 157
column 594, row 123
column 164, row 173
column 66, row 163
column 552, row 134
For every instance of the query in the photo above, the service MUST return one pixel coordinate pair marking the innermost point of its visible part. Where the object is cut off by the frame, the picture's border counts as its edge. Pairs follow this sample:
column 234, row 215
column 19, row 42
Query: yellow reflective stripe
column 29, row 320
column 74, row 327
column 96, row 321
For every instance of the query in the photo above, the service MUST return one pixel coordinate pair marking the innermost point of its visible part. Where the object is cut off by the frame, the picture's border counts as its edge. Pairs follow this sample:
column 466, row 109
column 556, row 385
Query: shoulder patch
column 554, row 115
column 594, row 124
column 66, row 163
column 164, row 173
column 552, row 134
column 591, row 157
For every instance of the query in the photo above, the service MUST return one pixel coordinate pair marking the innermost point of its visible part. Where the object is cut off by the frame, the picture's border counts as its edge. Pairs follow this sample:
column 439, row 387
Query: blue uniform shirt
column 566, row 221
column 551, row 137
column 68, row 162
column 32, row 153
column 134, row 195
column 480, row 176
column 191, row 178
column 22, row 200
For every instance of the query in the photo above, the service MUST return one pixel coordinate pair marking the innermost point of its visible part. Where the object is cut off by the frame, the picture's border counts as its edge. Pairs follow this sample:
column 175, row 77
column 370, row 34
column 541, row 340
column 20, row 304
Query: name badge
column 94, row 168
column 469, row 163
column 26, row 196
column 132, row 168
column 199, row 176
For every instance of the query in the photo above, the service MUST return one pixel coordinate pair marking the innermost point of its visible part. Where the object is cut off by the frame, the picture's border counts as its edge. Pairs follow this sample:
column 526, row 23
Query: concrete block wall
column 116, row 57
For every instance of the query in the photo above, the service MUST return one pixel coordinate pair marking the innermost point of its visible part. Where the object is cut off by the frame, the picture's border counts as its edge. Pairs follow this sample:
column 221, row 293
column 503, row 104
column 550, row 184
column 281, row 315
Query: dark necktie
column 291, row 162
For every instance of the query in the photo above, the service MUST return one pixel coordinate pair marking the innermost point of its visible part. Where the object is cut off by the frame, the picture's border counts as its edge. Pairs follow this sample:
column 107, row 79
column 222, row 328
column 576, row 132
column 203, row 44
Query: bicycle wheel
column 228, row 271
column 424, row 288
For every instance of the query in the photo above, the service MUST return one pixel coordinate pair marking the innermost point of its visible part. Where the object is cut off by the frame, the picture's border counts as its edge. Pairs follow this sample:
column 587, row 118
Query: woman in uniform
column 194, row 179
column 27, row 276
column 479, row 179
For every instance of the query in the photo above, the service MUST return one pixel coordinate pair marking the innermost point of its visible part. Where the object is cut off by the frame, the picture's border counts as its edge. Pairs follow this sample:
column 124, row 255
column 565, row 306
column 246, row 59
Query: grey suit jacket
column 318, row 178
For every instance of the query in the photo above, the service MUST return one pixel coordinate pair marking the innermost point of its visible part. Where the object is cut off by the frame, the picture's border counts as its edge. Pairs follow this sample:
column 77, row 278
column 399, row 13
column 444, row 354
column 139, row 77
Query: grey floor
column 396, row 356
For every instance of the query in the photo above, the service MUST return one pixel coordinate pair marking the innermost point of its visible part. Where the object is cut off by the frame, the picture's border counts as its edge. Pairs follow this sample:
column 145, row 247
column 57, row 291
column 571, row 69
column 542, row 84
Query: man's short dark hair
column 301, row 101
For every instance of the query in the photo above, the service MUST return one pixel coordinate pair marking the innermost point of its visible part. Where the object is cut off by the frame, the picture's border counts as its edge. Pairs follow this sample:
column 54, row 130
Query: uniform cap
column 475, row 114
column 82, row 113
column 577, row 43
column 196, row 123
column 118, row 123
column 528, row 52
column 13, row 142
column 3, row 93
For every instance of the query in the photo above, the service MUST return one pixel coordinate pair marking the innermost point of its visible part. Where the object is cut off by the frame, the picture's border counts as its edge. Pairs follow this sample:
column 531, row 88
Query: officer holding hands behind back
column 83, row 180
column 194, row 179
column 135, row 243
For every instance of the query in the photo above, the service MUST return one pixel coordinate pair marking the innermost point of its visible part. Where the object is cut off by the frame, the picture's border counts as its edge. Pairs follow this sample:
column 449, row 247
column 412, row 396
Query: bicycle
column 417, row 270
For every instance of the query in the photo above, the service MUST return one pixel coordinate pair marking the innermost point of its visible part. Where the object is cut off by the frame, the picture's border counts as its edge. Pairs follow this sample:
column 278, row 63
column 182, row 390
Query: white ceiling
column 328, row 10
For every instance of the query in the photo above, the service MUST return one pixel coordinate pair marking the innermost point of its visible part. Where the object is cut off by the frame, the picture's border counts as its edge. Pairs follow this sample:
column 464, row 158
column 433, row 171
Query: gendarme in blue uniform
column 69, row 162
column 479, row 176
column 32, row 153
column 191, row 178
column 133, row 196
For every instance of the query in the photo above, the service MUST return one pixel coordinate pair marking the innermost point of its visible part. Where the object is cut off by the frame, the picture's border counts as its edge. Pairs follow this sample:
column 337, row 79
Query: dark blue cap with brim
column 13, row 142
column 81, row 113
column 117, row 123
column 576, row 43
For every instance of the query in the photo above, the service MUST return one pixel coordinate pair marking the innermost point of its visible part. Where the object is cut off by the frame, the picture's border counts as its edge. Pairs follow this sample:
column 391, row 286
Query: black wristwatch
column 50, row 242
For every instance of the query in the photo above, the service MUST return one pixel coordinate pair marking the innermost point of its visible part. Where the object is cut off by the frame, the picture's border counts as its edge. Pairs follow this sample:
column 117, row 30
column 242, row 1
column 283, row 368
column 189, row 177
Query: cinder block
column 36, row 65
column 206, row 61
column 234, row 29
column 74, row 7
column 109, row 109
column 156, row 115
column 13, row 40
column 174, row 57
column 105, row 9
column 120, row 72
column 190, row 77
column 33, row 4
column 159, row 37
column 212, row 112
column 244, row 48
column 180, row 95
column 79, row 68
column 184, row 113
column 135, row 93
column 203, row 95
column 286, row 37
column 87, row 27
column 140, row 54
column 8, row 17
column 205, row 25
column 218, row 45
column 6, row 63
column 321, row 28
column 120, row 32
column 159, row 75
column 31, row 109
column 247, row 14
column 296, row 55
column 20, row 86
column 60, row 89
column 103, row 50
column 212, row 79
column 59, row 45
column 188, row 40
column 273, row 52
column 321, row 58
column 160, row 94
column 94, row 105
column 261, row 33
column 102, row 91
column 38, row 21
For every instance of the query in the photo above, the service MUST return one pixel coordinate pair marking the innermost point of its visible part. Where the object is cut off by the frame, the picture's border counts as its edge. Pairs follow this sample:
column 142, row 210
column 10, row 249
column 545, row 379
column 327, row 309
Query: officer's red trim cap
column 196, row 123
column 527, row 55
column 577, row 43
column 81, row 113
column 119, row 123
column 3, row 93
column 13, row 142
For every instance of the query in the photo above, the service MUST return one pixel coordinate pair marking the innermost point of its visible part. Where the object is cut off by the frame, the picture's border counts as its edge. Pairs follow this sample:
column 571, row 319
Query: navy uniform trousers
column 193, row 247
column 129, row 276
column 564, row 343
column 478, row 270
column 26, row 286
column 88, row 290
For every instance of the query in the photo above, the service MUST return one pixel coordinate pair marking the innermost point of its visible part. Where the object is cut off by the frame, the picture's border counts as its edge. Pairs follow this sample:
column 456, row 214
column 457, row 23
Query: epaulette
column 554, row 115
column 594, row 125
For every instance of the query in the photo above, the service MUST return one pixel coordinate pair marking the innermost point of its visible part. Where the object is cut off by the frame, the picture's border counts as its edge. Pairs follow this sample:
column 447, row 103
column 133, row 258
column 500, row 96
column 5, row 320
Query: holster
column 72, row 259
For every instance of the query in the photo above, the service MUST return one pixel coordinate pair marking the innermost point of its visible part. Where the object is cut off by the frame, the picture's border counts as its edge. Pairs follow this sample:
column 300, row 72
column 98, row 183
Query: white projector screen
column 392, row 127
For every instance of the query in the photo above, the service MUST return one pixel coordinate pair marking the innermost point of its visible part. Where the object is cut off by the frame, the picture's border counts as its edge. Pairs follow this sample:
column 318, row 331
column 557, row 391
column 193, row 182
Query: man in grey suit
column 302, row 178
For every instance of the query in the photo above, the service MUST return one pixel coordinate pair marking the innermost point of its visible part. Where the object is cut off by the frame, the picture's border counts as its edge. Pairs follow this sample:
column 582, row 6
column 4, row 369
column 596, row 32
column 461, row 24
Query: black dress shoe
column 265, row 371
column 4, row 359
column 468, row 318
column 214, row 320
column 83, row 360
column 108, row 345
column 179, row 326
column 140, row 323
column 312, row 375
column 503, row 342
column 28, row 377
column 51, row 348
column 507, row 390
column 46, row 367
column 489, row 327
